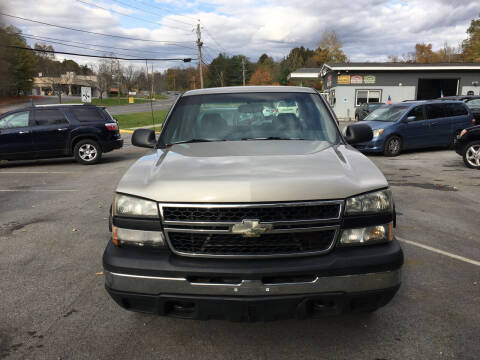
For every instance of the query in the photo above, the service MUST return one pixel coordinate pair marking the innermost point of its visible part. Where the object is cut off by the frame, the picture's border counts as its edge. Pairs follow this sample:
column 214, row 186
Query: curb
column 122, row 131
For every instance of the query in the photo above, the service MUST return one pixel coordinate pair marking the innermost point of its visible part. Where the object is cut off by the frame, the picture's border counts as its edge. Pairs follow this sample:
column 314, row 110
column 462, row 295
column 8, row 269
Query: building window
column 367, row 96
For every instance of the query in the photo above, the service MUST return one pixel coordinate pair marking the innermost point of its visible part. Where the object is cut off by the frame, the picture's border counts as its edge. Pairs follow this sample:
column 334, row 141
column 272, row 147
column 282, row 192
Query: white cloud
column 369, row 29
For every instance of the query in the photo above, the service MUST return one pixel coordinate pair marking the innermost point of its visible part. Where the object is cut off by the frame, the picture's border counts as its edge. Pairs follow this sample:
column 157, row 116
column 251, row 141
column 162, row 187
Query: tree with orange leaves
column 261, row 77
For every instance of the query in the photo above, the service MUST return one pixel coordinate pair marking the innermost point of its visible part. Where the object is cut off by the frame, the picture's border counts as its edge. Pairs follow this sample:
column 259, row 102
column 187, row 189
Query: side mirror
column 358, row 133
column 144, row 138
column 410, row 118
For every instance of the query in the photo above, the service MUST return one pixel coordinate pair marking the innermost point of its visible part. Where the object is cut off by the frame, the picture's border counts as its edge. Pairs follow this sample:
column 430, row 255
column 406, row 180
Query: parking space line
column 438, row 251
column 40, row 172
column 27, row 190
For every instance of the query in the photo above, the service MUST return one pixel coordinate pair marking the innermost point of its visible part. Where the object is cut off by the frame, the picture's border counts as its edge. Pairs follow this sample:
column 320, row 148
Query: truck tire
column 87, row 152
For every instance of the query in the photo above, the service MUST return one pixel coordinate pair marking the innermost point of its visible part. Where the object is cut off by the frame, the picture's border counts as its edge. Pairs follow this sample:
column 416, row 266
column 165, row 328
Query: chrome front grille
column 251, row 230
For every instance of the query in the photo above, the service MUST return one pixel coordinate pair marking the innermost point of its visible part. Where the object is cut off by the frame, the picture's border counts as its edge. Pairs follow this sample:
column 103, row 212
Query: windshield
column 387, row 113
column 374, row 106
column 473, row 104
column 243, row 117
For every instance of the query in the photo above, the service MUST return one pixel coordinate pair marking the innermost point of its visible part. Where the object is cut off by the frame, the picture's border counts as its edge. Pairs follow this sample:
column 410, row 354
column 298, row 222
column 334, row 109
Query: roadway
column 161, row 104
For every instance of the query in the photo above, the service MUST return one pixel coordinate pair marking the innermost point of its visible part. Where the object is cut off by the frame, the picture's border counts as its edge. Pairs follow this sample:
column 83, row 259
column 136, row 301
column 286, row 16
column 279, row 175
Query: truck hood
column 251, row 171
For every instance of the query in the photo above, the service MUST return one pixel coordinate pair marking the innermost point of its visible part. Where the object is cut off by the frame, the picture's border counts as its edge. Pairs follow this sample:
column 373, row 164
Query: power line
column 62, row 42
column 130, row 16
column 215, row 41
column 75, row 46
column 94, row 56
column 172, row 43
column 149, row 12
column 170, row 11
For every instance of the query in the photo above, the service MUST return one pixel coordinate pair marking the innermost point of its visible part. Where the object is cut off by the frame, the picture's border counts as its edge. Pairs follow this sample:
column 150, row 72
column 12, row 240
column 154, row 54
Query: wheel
column 87, row 152
column 393, row 146
column 471, row 155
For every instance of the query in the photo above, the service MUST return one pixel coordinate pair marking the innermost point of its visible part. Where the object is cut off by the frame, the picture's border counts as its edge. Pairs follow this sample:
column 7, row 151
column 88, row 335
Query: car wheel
column 393, row 146
column 471, row 155
column 87, row 152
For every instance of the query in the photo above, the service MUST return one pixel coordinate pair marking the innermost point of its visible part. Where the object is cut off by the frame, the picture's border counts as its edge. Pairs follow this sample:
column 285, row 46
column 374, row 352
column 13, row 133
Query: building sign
column 343, row 80
column 86, row 94
column 369, row 79
column 329, row 80
column 356, row 79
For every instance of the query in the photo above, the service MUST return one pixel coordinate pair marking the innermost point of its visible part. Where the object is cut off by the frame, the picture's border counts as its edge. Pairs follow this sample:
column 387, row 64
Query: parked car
column 270, row 220
column 416, row 125
column 468, row 146
column 46, row 131
column 287, row 107
column 472, row 101
column 364, row 109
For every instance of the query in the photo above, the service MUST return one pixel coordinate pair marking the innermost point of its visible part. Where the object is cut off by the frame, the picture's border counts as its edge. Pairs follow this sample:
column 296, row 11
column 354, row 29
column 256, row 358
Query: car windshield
column 242, row 117
column 374, row 106
column 389, row 113
column 473, row 104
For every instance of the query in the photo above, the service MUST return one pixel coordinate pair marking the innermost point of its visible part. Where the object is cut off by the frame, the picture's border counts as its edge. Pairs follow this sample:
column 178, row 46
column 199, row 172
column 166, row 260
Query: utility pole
column 199, row 45
column 243, row 70
column 119, row 84
column 151, row 95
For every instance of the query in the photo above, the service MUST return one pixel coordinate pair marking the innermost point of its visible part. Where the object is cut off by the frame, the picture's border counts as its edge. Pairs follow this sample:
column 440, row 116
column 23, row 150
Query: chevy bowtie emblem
column 251, row 228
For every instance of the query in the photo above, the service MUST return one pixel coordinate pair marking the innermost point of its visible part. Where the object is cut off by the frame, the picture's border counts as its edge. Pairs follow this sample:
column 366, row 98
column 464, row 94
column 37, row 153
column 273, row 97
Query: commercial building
column 69, row 83
column 347, row 85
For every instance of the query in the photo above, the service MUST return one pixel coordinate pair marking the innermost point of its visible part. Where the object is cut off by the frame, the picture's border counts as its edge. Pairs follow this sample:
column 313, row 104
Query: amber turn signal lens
column 115, row 236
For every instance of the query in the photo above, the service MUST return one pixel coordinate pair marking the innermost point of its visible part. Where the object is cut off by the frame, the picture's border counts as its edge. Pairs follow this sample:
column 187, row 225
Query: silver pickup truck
column 246, row 215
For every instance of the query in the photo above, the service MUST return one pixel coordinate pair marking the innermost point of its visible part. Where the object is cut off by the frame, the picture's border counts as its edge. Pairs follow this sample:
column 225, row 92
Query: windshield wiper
column 272, row 138
column 189, row 141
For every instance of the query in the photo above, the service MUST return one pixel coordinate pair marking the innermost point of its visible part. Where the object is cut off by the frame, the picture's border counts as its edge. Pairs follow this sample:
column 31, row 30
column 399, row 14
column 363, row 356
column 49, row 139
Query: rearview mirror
column 144, row 138
column 411, row 118
column 358, row 133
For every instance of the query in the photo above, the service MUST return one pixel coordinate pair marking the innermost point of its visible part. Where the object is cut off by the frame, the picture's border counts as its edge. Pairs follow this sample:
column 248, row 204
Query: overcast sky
column 370, row 30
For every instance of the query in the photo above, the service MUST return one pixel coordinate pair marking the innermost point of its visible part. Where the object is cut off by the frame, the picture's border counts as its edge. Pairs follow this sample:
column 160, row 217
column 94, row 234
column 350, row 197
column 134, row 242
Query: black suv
column 82, row 131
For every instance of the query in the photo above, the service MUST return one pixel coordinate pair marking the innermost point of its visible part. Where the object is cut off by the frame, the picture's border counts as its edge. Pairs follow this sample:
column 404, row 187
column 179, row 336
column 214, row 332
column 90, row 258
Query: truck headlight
column 377, row 132
column 374, row 202
column 126, row 205
column 367, row 235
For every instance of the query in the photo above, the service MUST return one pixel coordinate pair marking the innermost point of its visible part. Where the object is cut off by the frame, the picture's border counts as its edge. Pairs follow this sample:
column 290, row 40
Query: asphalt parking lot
column 53, row 229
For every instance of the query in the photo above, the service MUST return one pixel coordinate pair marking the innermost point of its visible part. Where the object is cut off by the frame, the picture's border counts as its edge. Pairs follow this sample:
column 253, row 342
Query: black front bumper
column 146, row 267
column 258, row 308
column 340, row 261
